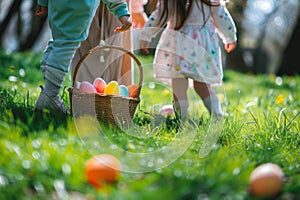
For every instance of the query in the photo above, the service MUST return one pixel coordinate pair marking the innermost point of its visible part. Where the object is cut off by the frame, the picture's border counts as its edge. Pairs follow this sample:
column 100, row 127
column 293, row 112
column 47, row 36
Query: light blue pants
column 69, row 21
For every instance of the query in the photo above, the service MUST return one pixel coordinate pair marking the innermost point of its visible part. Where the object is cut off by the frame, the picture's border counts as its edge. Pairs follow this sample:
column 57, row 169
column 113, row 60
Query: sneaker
column 220, row 114
column 52, row 104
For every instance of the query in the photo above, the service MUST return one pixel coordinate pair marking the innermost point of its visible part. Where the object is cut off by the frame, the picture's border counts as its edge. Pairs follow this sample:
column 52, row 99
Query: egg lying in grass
column 124, row 91
column 266, row 180
column 102, row 169
column 112, row 88
column 99, row 84
column 87, row 87
column 166, row 110
column 132, row 90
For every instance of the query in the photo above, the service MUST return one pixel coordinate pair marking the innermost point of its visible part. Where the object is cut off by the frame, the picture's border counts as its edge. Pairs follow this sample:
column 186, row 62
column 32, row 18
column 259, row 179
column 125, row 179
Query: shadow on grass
column 32, row 121
column 23, row 115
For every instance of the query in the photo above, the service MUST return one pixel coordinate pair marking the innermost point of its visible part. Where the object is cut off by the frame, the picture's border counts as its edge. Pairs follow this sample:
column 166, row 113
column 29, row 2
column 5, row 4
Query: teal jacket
column 118, row 8
column 69, row 21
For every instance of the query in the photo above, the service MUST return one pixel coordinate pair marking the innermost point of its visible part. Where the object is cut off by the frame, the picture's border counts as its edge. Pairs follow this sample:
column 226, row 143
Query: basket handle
column 98, row 48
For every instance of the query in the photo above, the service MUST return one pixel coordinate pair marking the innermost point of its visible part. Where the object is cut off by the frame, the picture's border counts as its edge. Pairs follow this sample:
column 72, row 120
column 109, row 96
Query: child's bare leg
column 203, row 90
column 209, row 98
column 180, row 86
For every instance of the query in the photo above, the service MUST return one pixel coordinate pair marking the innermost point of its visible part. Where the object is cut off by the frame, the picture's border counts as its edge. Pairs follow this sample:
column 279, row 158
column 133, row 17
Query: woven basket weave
column 110, row 109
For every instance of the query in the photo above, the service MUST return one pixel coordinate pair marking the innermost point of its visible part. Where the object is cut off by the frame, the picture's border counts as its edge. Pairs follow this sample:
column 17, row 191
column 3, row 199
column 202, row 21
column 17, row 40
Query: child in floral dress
column 189, row 48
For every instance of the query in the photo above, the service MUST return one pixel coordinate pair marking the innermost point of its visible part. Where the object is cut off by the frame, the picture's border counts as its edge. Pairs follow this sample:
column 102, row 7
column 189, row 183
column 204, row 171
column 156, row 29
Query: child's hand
column 230, row 47
column 41, row 11
column 144, row 45
column 126, row 24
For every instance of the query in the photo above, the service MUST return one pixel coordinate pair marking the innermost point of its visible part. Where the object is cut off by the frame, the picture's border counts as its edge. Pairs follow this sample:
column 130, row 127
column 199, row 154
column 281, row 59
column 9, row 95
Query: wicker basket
column 110, row 109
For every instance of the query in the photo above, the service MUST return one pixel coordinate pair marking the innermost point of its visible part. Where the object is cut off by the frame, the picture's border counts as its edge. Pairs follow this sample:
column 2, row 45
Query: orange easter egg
column 112, row 88
column 87, row 87
column 102, row 169
column 266, row 180
column 99, row 84
column 132, row 90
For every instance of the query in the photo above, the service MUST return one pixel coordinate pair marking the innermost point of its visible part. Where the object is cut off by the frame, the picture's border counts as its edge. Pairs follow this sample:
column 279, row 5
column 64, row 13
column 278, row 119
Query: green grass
column 40, row 153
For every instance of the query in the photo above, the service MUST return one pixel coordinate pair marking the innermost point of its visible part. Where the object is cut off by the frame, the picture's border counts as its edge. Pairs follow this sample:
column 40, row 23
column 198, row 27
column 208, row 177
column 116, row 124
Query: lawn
column 43, row 157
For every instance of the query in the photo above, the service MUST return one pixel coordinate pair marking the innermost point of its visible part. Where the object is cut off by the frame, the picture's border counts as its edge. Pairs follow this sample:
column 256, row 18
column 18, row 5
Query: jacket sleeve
column 43, row 3
column 224, row 23
column 117, row 7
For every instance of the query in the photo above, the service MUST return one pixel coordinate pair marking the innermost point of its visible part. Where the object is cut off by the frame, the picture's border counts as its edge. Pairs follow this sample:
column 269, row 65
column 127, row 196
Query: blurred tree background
column 268, row 33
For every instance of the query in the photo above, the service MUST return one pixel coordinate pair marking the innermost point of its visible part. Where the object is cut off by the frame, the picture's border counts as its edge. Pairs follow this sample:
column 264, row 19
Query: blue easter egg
column 124, row 91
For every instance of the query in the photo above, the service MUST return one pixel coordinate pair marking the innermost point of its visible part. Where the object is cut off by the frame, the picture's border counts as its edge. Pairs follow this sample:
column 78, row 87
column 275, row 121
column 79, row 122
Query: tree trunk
column 290, row 64
column 37, row 25
column 14, row 8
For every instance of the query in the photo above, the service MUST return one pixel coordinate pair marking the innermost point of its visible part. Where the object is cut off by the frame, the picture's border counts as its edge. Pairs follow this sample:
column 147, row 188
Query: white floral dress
column 194, row 50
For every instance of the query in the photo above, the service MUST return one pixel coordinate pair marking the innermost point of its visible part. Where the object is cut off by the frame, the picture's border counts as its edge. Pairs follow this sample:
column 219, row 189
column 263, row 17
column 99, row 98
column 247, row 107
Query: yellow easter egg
column 112, row 88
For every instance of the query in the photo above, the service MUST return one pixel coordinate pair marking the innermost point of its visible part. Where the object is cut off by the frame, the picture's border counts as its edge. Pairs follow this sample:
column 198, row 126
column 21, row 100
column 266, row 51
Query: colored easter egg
column 112, row 88
column 102, row 169
column 266, row 180
column 99, row 84
column 132, row 90
column 166, row 110
column 124, row 91
column 87, row 87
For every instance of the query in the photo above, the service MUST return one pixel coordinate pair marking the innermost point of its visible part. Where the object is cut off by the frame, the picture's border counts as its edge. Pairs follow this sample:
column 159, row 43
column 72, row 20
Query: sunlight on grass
column 42, row 155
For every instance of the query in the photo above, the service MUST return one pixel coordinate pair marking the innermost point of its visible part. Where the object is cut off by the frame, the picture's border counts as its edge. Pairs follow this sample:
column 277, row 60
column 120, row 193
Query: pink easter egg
column 87, row 87
column 166, row 110
column 99, row 84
